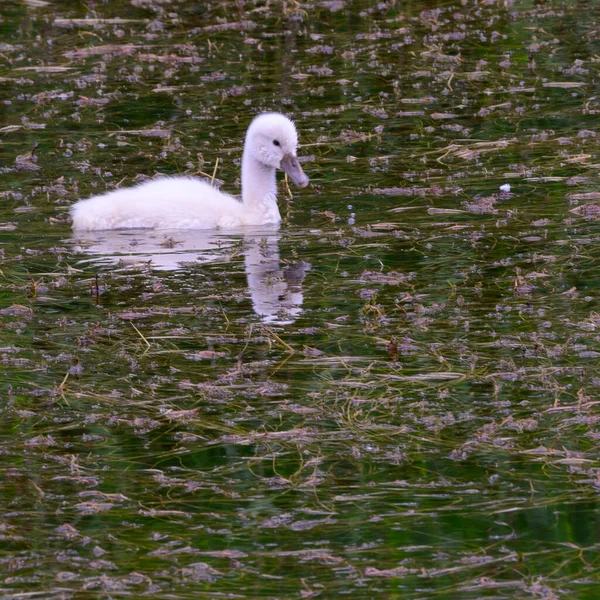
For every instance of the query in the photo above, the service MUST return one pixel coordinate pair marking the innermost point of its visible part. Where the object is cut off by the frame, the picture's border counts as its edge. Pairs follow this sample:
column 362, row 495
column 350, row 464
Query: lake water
column 394, row 395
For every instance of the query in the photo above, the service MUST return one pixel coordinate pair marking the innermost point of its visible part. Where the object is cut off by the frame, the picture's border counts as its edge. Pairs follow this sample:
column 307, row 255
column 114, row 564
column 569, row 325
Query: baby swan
column 188, row 203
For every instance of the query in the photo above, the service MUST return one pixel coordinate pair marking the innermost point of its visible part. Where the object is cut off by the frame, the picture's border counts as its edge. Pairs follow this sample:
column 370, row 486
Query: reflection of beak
column 292, row 167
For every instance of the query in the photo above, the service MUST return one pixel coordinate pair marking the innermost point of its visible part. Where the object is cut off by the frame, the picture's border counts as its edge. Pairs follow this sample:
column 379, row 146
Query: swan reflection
column 275, row 291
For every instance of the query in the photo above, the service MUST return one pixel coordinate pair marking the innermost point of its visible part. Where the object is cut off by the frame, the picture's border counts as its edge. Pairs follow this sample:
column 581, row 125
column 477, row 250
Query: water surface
column 392, row 396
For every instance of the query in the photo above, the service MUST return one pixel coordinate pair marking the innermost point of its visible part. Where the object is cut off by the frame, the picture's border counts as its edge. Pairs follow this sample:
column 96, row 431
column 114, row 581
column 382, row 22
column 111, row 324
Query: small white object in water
column 505, row 187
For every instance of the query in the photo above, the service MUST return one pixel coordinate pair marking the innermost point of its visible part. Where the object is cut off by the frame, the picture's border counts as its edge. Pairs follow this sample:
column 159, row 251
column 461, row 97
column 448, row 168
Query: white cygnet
column 189, row 203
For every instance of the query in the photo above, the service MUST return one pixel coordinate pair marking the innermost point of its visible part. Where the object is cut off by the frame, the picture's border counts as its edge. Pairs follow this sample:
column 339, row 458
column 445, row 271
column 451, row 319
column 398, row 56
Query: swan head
column 272, row 140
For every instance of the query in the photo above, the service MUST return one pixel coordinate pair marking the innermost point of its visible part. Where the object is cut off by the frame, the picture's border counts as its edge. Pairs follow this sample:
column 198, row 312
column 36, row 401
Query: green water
column 394, row 396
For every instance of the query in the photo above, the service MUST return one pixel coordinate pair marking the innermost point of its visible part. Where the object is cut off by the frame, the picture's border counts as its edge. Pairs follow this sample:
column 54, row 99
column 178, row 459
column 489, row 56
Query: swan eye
column 276, row 143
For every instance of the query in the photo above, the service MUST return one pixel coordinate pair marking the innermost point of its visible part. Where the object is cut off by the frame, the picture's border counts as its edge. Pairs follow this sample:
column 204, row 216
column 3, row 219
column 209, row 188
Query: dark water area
column 394, row 395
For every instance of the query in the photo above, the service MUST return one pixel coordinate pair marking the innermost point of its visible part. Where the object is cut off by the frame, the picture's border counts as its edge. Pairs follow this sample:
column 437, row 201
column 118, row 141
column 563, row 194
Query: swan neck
column 259, row 184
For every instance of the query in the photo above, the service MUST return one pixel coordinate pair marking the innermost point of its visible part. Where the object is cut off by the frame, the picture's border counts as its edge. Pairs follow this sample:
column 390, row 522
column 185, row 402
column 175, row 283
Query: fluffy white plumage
column 189, row 203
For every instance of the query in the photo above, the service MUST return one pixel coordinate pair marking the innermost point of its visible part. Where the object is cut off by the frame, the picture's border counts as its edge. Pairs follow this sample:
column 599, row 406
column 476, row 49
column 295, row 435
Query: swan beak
column 292, row 167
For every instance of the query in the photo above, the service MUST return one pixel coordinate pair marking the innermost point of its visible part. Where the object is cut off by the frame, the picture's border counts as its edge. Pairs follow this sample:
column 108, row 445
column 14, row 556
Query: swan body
column 189, row 203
